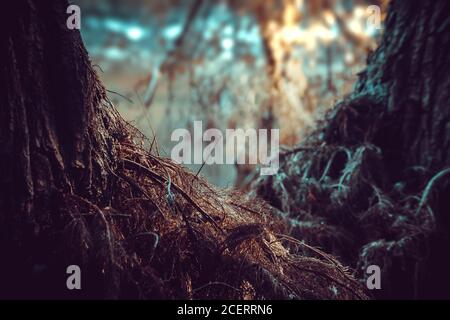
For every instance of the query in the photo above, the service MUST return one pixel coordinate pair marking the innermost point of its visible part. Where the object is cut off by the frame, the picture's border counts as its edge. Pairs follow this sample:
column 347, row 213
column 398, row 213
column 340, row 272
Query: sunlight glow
column 135, row 33
column 227, row 43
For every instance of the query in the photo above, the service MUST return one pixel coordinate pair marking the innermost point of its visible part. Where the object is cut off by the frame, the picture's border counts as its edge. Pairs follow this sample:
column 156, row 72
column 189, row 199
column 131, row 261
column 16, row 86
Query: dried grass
column 337, row 192
column 168, row 234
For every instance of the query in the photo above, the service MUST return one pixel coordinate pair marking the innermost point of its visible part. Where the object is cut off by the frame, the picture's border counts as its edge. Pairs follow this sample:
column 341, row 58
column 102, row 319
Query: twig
column 317, row 251
column 244, row 207
column 163, row 180
column 430, row 185
column 322, row 274
column 121, row 95
column 135, row 185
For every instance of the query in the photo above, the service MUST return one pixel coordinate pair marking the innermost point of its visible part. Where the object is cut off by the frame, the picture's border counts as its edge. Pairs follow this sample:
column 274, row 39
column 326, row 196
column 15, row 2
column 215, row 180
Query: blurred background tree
column 231, row 64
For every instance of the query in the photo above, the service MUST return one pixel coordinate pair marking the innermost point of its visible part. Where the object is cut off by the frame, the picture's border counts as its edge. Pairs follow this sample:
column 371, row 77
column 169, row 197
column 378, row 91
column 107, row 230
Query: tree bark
column 371, row 184
column 408, row 75
column 55, row 131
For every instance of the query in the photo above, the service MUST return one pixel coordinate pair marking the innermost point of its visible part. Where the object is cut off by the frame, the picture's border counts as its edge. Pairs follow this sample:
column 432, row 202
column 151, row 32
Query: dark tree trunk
column 53, row 131
column 372, row 184
column 408, row 74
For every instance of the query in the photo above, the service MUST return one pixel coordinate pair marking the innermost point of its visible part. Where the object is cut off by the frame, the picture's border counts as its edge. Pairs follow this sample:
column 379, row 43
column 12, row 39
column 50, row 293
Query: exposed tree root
column 339, row 191
column 166, row 233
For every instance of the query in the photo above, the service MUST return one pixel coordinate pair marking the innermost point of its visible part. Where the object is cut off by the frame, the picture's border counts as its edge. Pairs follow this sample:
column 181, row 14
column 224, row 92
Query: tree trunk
column 372, row 184
column 53, row 133
column 408, row 75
